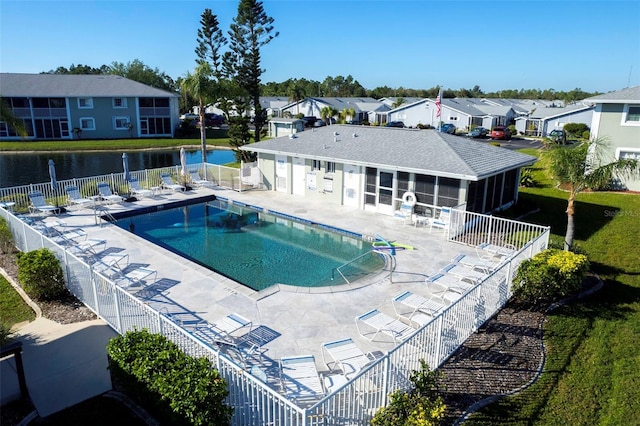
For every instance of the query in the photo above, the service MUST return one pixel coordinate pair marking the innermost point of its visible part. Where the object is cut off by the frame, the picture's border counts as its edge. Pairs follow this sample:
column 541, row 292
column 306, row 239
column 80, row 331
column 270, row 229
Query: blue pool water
column 256, row 248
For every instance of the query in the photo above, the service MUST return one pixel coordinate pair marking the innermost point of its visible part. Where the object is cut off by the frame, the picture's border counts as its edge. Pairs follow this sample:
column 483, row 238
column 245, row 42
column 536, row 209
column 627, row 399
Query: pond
column 23, row 169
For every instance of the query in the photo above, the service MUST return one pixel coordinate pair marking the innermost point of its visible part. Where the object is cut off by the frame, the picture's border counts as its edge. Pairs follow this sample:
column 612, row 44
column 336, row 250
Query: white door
column 281, row 173
column 351, row 190
column 385, row 191
column 298, row 181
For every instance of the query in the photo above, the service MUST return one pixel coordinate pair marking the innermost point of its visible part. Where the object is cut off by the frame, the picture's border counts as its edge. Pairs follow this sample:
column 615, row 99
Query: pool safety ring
column 409, row 198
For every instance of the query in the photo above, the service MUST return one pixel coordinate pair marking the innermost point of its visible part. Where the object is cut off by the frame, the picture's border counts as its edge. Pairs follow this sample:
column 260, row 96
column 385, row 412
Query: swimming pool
column 255, row 247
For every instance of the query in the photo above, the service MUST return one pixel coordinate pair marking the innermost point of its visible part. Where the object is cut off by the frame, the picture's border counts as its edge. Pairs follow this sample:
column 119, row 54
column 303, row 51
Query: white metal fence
column 248, row 176
column 355, row 403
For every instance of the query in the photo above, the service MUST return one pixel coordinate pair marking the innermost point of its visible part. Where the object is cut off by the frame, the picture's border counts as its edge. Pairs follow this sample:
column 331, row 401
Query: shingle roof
column 420, row 151
column 74, row 85
column 621, row 96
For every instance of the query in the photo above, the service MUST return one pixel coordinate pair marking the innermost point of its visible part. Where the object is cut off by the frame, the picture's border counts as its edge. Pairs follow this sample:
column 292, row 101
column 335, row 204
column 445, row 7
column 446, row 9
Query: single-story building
column 616, row 119
column 285, row 126
column 68, row 106
column 541, row 120
column 373, row 168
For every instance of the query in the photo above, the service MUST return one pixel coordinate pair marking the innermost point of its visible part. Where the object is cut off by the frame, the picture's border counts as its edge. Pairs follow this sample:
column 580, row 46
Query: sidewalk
column 63, row 364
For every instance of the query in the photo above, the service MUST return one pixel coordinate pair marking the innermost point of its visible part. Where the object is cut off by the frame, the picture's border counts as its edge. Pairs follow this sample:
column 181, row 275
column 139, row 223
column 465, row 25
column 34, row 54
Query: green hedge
column 177, row 388
column 550, row 274
column 40, row 275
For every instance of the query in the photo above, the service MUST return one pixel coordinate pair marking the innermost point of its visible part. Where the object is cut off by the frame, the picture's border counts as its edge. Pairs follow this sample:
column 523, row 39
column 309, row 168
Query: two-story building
column 63, row 106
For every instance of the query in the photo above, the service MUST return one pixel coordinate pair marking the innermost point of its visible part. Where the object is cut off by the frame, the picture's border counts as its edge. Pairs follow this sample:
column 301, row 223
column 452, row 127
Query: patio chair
column 223, row 331
column 167, row 182
column 346, row 356
column 442, row 221
column 38, row 203
column 383, row 323
column 488, row 251
column 484, row 265
column 105, row 193
column 464, row 273
column 125, row 277
column 447, row 287
column 76, row 199
column 404, row 214
column 300, row 379
column 418, row 310
column 134, row 187
column 197, row 180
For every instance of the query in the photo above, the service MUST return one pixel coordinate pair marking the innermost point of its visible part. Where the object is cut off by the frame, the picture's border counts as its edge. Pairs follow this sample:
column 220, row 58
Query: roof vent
column 355, row 135
column 292, row 136
column 324, row 146
column 335, row 133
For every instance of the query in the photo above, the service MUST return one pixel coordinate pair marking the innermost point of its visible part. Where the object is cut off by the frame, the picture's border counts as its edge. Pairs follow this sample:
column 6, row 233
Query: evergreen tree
column 251, row 30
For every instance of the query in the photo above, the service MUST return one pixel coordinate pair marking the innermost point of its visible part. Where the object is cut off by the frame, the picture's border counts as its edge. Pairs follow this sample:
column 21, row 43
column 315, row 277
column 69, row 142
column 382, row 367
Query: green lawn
column 13, row 308
column 215, row 137
column 592, row 373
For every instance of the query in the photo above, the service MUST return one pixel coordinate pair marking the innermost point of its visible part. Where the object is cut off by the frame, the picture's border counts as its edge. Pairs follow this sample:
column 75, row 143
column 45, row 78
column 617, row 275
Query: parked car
column 189, row 116
column 309, row 121
column 478, row 132
column 395, row 124
column 558, row 136
column 211, row 120
column 318, row 123
column 448, row 128
column 500, row 132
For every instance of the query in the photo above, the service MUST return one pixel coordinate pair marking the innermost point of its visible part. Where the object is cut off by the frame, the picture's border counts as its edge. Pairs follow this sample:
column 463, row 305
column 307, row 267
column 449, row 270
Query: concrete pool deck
column 292, row 321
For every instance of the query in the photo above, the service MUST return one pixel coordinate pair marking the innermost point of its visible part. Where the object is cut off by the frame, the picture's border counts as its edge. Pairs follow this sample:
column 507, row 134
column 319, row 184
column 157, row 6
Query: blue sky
column 560, row 45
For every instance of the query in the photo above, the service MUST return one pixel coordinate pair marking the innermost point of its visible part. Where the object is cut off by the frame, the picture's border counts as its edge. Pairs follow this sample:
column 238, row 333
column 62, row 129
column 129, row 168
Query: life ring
column 409, row 198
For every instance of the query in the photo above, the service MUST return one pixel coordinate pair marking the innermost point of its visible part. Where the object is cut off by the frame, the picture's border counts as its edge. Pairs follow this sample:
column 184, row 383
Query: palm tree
column 200, row 86
column 347, row 113
column 582, row 167
column 327, row 113
column 296, row 93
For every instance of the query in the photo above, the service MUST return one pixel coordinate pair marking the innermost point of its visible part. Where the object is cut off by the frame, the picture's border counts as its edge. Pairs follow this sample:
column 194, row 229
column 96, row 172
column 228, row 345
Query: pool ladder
column 389, row 262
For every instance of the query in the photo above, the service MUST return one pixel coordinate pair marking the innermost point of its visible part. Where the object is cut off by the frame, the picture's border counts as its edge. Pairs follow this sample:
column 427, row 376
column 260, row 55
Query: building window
column 315, row 165
column 85, row 103
column 119, row 102
column 121, row 123
column 631, row 115
column 331, row 167
column 448, row 192
column 87, row 123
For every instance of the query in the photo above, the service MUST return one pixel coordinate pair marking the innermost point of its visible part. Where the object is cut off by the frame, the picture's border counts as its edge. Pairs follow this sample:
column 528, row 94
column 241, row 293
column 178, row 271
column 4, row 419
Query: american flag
column 438, row 104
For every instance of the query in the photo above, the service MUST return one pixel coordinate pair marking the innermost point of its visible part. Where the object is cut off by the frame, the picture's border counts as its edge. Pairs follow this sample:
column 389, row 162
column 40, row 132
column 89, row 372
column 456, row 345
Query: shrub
column 526, row 178
column 421, row 406
column 575, row 129
column 512, row 129
column 586, row 135
column 6, row 238
column 5, row 331
column 40, row 274
column 550, row 274
column 181, row 389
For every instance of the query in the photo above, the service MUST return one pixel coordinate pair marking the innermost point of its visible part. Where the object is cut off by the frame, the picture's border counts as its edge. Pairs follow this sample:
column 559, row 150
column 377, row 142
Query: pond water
column 23, row 169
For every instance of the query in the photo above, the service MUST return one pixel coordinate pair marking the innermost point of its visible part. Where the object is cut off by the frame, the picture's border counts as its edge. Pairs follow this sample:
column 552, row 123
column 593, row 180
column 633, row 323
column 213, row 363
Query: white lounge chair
column 488, row 250
column 300, row 379
column 38, row 203
column 447, row 287
column 464, row 273
column 168, row 183
column 134, row 187
column 223, row 331
column 76, row 199
column 197, row 180
column 418, row 310
column 346, row 356
column 383, row 323
column 122, row 276
column 484, row 265
column 105, row 193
